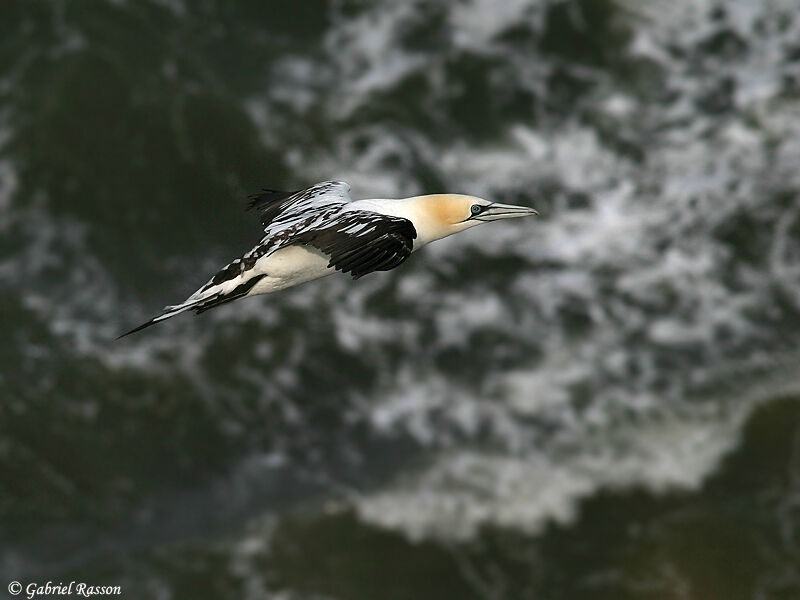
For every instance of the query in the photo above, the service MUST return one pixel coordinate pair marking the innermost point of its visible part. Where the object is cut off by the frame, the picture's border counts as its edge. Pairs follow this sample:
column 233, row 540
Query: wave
column 516, row 368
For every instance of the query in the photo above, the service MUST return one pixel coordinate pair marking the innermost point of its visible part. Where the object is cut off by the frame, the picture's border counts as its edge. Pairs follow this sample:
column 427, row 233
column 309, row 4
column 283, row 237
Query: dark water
column 598, row 404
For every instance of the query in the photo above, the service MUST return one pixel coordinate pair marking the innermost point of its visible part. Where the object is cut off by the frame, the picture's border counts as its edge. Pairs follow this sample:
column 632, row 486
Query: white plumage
column 314, row 232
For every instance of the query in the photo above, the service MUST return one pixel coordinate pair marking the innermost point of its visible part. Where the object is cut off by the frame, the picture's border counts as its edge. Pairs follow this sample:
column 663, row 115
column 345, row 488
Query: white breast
column 290, row 266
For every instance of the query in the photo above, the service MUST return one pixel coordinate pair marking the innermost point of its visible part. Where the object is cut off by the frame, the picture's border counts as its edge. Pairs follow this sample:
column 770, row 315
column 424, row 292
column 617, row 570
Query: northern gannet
column 314, row 232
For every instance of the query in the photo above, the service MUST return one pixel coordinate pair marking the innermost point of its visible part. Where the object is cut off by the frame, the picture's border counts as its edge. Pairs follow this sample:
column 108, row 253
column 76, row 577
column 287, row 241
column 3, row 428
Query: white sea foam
column 462, row 490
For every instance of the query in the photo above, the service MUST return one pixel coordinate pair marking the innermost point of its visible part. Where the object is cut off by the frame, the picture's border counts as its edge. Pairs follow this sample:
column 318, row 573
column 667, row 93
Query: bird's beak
column 497, row 211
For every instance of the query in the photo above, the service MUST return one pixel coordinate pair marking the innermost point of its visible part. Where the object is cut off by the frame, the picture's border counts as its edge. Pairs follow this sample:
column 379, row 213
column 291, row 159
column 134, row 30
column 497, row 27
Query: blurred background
column 601, row 403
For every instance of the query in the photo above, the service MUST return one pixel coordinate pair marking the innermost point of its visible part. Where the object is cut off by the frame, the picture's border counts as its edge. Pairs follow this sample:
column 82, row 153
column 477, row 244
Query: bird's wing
column 316, row 216
column 360, row 242
column 284, row 215
column 280, row 209
column 357, row 241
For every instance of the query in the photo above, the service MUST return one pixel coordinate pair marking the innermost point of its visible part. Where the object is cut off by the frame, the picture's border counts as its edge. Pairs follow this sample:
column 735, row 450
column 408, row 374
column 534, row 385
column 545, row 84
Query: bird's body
column 317, row 231
column 289, row 267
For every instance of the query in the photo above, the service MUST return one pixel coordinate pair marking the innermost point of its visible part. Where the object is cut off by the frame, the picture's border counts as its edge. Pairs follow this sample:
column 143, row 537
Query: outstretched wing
column 283, row 208
column 360, row 242
column 283, row 215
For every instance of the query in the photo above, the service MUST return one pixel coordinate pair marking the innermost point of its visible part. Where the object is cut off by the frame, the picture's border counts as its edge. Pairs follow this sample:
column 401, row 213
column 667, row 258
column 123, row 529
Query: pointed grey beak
column 497, row 211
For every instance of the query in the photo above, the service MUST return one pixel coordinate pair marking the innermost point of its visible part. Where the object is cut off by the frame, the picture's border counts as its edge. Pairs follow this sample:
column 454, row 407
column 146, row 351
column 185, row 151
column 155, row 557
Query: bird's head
column 441, row 215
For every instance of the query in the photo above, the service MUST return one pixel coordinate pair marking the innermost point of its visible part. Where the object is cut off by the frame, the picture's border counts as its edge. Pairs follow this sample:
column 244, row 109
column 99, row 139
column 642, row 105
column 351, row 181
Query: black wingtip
column 265, row 197
column 135, row 329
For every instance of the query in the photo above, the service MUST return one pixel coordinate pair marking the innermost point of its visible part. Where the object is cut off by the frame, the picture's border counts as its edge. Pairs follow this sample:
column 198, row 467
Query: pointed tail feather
column 169, row 311
column 199, row 305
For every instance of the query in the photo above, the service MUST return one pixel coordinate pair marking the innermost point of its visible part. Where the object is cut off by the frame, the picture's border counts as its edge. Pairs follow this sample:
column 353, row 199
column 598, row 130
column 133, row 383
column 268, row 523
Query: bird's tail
column 169, row 311
column 199, row 302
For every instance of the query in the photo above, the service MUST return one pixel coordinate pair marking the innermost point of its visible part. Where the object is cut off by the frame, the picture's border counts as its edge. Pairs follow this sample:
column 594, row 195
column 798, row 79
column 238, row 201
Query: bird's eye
column 476, row 209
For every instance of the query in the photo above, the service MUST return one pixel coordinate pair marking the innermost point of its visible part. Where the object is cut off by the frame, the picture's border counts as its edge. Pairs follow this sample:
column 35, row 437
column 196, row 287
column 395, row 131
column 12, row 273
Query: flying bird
column 315, row 232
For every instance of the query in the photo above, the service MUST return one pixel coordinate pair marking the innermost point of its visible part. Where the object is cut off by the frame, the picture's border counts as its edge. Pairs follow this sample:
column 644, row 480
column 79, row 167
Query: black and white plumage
column 317, row 231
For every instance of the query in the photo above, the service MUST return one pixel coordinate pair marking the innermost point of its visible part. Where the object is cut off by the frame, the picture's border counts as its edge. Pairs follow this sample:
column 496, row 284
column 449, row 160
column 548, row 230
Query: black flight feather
column 360, row 243
column 269, row 203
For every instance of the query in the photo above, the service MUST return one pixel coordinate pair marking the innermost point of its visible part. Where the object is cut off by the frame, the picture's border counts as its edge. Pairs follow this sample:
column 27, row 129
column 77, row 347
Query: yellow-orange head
column 438, row 215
